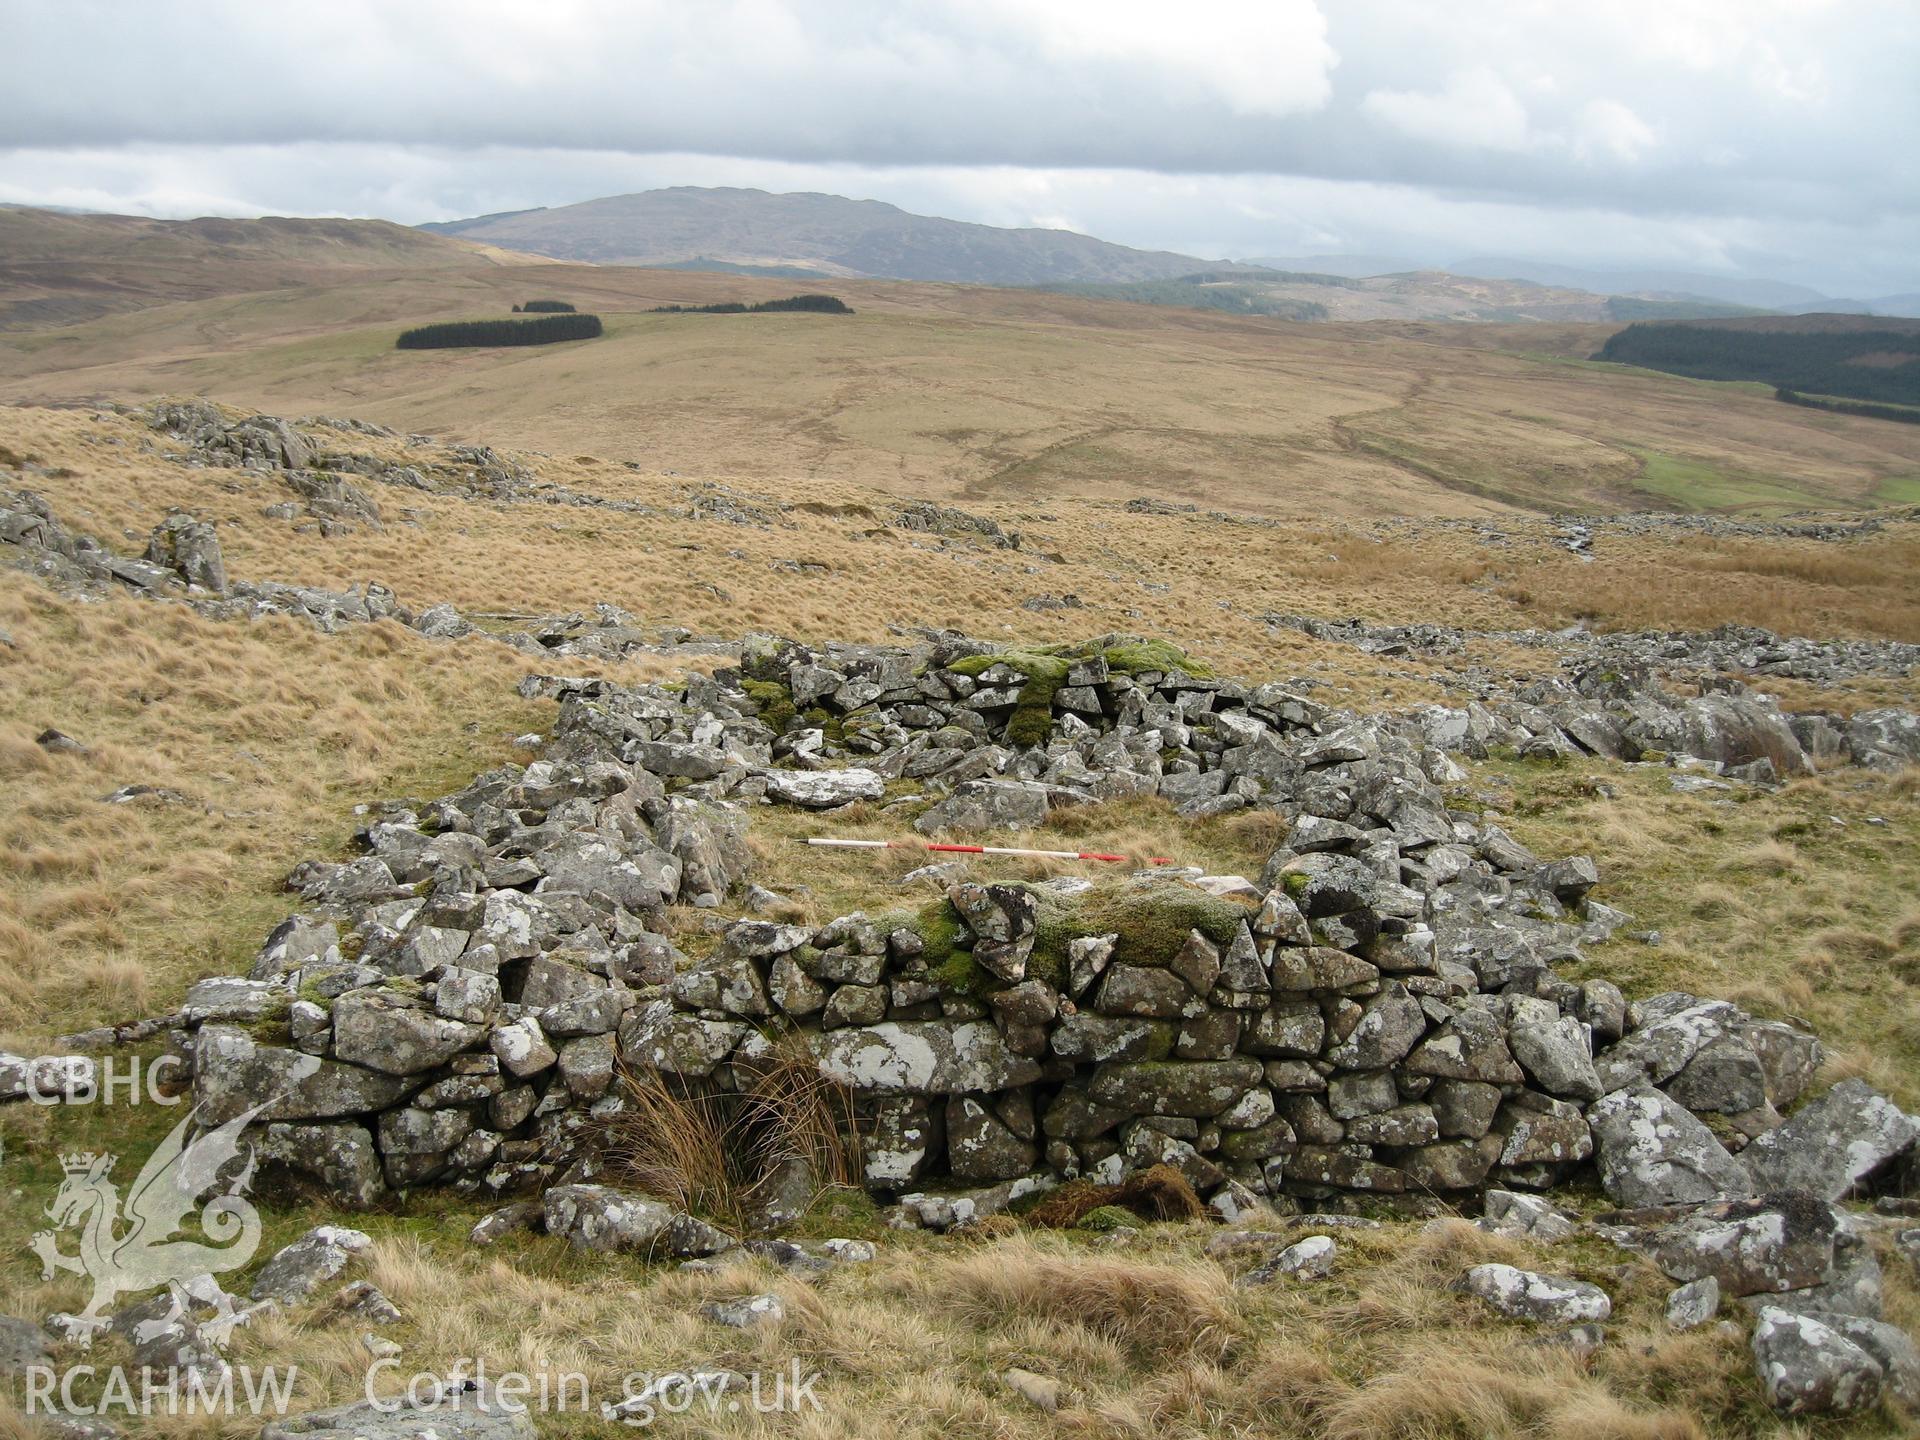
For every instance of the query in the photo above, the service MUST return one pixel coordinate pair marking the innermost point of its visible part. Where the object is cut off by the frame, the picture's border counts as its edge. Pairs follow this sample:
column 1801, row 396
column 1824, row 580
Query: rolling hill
column 971, row 394
column 60, row 268
column 823, row 234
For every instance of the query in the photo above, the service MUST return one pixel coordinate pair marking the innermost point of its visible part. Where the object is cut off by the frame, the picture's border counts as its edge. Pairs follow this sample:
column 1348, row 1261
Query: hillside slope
column 61, row 269
column 825, row 233
column 975, row 394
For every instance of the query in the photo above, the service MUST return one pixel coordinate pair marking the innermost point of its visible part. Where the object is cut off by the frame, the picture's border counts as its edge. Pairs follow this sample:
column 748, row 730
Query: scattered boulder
column 309, row 1262
column 599, row 1217
column 1806, row 1367
column 22, row 1344
column 1832, row 1145
column 1543, row 1299
column 1040, row 1391
column 1752, row 1247
column 1308, row 1259
column 1693, row 1304
column 748, row 1313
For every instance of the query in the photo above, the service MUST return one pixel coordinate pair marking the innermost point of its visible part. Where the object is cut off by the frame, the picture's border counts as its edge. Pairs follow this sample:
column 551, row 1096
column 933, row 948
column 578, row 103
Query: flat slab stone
column 454, row 1411
column 824, row 789
column 926, row 1058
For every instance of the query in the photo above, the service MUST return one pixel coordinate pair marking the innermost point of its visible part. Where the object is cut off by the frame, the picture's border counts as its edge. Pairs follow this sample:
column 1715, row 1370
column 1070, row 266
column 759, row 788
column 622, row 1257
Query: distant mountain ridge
column 1414, row 295
column 828, row 235
column 802, row 234
column 1677, row 286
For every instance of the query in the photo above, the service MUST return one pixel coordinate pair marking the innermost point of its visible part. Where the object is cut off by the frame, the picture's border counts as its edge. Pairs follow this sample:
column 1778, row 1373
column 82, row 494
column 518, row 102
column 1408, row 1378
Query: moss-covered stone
column 1045, row 668
column 825, row 720
column 1137, row 657
column 1037, row 662
column 1152, row 921
column 961, row 974
column 1031, row 722
column 858, row 722
column 270, row 1028
column 773, row 703
column 950, row 966
column 1056, row 923
column 1107, row 1217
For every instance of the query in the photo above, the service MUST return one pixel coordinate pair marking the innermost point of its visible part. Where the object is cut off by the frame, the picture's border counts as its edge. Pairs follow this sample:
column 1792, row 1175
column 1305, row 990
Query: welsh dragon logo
column 129, row 1246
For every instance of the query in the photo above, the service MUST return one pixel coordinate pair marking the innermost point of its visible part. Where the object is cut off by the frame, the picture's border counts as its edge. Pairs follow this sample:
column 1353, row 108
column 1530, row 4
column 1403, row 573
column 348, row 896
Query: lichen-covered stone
column 1832, row 1144
column 1654, row 1152
column 1200, row 1088
column 930, row 1058
column 1543, row 1299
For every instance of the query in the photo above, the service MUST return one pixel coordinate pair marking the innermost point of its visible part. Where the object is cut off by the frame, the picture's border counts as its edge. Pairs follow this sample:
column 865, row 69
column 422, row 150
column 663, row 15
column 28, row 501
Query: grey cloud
column 1720, row 129
column 1802, row 106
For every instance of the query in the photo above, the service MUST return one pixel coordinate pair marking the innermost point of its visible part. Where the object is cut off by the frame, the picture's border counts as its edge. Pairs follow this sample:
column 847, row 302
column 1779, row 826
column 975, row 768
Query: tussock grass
column 1157, row 1309
column 1159, row 1192
column 1436, row 1394
column 719, row 1153
column 270, row 733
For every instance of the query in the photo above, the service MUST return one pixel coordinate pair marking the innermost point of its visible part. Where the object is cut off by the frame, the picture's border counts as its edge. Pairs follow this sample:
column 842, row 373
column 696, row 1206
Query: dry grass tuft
column 673, row 1145
column 1159, row 1192
column 1437, row 1393
column 1153, row 1309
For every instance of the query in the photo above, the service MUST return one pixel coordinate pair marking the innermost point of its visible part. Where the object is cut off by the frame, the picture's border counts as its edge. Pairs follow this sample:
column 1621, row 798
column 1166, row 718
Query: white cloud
column 1476, row 110
column 1608, row 130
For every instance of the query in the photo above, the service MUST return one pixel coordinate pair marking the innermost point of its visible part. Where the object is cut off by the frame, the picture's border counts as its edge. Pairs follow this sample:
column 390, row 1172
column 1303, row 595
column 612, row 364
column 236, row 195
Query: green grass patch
column 1897, row 490
column 1696, row 485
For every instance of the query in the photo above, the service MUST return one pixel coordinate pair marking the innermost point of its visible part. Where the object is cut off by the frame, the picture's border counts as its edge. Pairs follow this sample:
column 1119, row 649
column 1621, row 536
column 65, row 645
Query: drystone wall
column 1379, row 1011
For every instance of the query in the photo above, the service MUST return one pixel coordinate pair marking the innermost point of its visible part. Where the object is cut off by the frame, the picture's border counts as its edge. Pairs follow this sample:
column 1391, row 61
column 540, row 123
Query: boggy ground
column 1799, row 901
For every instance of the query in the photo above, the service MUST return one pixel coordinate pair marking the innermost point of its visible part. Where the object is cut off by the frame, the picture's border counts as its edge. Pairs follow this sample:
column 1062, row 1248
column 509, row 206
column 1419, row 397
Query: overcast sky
column 1755, row 137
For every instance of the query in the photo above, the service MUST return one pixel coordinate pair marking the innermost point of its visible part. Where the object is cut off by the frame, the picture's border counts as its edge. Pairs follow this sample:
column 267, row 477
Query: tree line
column 1865, row 364
column 544, row 307
column 1905, row 414
column 544, row 331
column 813, row 304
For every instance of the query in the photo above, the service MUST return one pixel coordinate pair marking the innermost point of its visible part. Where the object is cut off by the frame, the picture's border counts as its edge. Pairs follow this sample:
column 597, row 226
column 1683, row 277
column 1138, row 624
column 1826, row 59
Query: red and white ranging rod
column 832, row 844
